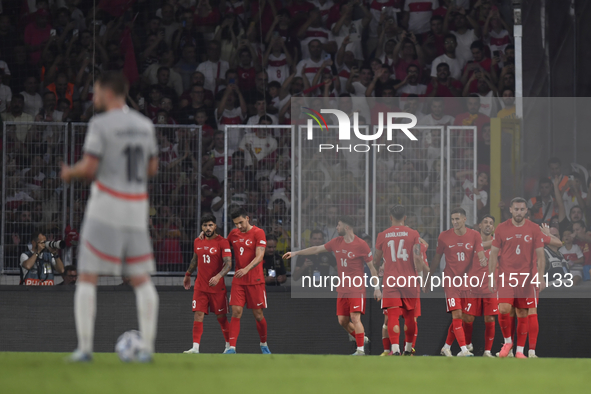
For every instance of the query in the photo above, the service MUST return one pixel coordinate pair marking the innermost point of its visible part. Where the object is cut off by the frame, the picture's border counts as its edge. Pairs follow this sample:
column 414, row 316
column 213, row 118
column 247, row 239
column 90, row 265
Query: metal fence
column 33, row 196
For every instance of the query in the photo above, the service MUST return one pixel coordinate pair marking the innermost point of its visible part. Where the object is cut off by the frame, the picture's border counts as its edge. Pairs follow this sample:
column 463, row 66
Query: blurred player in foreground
column 401, row 292
column 213, row 259
column 120, row 155
column 351, row 253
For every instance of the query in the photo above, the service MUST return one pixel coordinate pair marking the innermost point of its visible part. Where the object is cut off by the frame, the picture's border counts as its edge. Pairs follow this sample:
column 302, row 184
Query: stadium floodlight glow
column 345, row 124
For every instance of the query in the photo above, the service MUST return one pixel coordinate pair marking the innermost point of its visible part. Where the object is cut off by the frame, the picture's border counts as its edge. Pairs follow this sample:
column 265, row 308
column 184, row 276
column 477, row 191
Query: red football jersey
column 481, row 273
column 351, row 258
column 459, row 250
column 244, row 245
column 210, row 261
column 424, row 249
column 396, row 244
column 518, row 245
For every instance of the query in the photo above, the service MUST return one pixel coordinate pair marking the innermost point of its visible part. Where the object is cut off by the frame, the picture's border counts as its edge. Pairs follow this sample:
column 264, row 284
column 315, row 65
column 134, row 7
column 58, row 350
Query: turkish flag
column 116, row 8
column 130, row 64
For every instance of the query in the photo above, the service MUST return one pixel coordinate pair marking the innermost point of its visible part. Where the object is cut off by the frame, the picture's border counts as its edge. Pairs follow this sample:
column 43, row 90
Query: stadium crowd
column 199, row 65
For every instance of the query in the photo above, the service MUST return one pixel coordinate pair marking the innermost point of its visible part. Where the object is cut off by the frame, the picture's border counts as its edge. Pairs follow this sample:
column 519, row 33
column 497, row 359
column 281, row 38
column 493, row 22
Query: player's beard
column 342, row 233
column 518, row 219
column 209, row 234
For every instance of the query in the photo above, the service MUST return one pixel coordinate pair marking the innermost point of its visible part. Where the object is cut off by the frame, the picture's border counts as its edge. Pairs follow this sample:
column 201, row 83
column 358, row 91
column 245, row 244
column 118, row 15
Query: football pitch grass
column 254, row 373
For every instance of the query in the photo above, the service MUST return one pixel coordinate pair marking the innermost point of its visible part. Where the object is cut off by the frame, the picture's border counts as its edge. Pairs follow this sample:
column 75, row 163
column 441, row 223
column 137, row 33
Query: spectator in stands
column 169, row 23
column 261, row 111
column 188, row 37
column 308, row 66
column 508, row 99
column 313, row 30
column 186, row 66
column 450, row 57
column 231, row 110
column 16, row 114
column 187, row 114
column 315, row 265
column 5, row 93
column 347, row 27
column 574, row 195
column 154, row 99
column 406, row 52
column 277, row 61
column 62, row 89
column 410, row 84
column 37, row 34
column 573, row 254
column 164, row 75
column 69, row 276
column 464, row 35
column 583, row 239
column 473, row 191
column 542, row 207
column 49, row 112
column 433, row 41
column 359, row 81
column 258, row 145
column 574, row 215
column 417, row 15
column 273, row 265
column 507, row 77
column 33, row 100
column 213, row 69
column 496, row 32
column 472, row 118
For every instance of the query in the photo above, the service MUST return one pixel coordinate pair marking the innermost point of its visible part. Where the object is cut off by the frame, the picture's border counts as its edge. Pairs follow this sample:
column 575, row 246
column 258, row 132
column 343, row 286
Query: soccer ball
column 129, row 345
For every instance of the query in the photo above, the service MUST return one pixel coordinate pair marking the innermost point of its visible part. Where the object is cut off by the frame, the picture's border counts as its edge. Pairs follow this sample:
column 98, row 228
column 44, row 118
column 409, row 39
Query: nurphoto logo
column 345, row 129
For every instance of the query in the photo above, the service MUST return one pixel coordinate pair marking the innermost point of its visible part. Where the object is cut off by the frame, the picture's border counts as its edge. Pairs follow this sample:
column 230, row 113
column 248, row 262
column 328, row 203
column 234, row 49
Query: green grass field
column 279, row 374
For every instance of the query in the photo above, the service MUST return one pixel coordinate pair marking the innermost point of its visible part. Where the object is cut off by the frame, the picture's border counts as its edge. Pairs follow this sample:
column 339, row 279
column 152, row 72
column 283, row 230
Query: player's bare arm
column 153, row 167
column 421, row 240
column 482, row 259
column 541, row 267
column 486, row 244
column 225, row 269
column 420, row 265
column 305, row 252
column 260, row 254
column 492, row 264
column 190, row 270
column 85, row 169
column 377, row 294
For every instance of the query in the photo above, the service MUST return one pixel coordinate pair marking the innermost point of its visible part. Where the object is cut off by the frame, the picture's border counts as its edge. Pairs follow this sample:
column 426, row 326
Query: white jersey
column 124, row 141
column 277, row 68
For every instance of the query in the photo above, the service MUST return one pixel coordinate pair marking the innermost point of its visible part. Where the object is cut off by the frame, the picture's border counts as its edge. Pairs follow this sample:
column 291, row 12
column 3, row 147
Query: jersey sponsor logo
column 526, row 238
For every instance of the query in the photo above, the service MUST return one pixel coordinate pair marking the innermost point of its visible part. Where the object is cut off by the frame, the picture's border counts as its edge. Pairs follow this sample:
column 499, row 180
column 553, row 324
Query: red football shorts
column 214, row 302
column 520, row 297
column 348, row 303
column 454, row 298
column 477, row 305
column 418, row 308
column 405, row 298
column 254, row 296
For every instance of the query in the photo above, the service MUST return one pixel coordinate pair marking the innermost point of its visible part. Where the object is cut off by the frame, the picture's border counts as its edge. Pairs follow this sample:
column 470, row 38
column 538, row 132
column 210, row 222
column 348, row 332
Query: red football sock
column 225, row 327
column 534, row 330
column 505, row 323
column 512, row 323
column 197, row 331
column 262, row 329
column 234, row 330
column 459, row 332
column 387, row 344
column 414, row 340
column 489, row 335
column 522, row 330
column 450, row 335
column 467, row 331
column 393, row 317
column 360, row 339
column 411, row 324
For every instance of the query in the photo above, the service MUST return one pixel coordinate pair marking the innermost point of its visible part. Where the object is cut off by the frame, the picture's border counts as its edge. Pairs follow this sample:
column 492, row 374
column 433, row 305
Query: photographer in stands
column 40, row 263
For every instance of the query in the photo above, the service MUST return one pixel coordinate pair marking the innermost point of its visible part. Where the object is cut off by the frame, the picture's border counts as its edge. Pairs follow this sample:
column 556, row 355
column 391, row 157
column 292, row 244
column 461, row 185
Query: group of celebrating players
column 516, row 251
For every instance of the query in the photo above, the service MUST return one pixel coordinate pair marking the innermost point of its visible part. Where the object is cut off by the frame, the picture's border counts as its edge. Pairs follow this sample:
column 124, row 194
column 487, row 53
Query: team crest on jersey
column 213, row 250
column 469, row 246
column 527, row 238
column 248, row 242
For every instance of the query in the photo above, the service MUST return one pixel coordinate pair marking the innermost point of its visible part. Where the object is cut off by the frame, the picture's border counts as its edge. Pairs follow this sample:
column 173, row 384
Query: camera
column 56, row 244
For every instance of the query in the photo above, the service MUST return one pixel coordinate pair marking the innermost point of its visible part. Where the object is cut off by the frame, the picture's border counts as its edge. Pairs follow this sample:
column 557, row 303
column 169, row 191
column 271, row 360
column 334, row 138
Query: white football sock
column 519, row 349
column 408, row 347
column 84, row 314
column 508, row 340
column 395, row 348
column 532, row 352
column 464, row 349
column 147, row 310
column 446, row 346
column 196, row 346
column 263, row 343
column 361, row 349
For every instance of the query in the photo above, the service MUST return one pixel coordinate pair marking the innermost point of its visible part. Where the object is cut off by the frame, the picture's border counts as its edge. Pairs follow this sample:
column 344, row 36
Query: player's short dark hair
column 485, row 217
column 239, row 212
column 208, row 218
column 518, row 200
column 348, row 220
column 459, row 210
column 397, row 211
column 545, row 180
column 114, row 81
column 554, row 160
column 271, row 237
column 316, row 231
